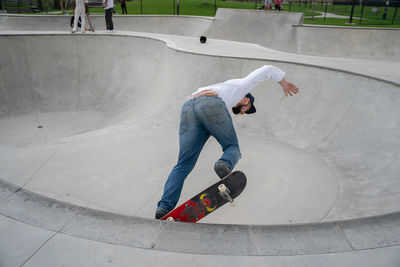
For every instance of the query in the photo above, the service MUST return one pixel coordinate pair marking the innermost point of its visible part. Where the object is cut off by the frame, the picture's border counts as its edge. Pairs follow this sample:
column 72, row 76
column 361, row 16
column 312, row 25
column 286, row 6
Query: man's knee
column 235, row 153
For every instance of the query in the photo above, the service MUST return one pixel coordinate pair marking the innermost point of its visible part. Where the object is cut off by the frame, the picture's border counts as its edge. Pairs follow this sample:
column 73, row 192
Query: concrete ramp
column 330, row 153
column 270, row 29
column 176, row 25
column 283, row 31
column 349, row 42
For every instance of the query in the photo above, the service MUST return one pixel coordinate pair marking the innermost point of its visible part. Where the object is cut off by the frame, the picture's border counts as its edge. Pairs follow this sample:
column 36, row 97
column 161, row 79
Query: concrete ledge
column 315, row 26
column 245, row 240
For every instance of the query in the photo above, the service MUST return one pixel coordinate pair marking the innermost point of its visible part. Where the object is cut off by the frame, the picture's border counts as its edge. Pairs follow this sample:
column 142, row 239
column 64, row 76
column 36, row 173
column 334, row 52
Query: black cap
column 252, row 108
column 203, row 39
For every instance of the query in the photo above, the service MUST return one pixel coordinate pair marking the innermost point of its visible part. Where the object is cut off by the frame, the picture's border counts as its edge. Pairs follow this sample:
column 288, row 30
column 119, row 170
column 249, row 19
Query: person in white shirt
column 109, row 8
column 206, row 113
column 80, row 11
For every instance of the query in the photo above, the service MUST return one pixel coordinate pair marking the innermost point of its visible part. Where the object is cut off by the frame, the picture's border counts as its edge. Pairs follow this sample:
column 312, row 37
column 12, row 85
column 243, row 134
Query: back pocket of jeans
column 216, row 114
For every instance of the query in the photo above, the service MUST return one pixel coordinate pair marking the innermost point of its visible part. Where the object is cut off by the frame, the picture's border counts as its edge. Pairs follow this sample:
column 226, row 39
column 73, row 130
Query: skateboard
column 90, row 23
column 210, row 199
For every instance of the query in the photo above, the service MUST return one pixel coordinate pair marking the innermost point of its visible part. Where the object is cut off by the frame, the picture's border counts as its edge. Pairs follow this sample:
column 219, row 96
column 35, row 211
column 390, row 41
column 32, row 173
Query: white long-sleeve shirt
column 110, row 4
column 232, row 91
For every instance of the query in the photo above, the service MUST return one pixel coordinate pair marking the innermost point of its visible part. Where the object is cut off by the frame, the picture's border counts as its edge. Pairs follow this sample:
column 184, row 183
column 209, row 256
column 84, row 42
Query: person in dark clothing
column 123, row 7
column 108, row 8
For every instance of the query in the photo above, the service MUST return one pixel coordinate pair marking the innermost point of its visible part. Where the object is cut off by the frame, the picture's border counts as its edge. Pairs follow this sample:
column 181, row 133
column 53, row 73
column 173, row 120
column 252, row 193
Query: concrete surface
column 37, row 231
column 89, row 134
column 283, row 31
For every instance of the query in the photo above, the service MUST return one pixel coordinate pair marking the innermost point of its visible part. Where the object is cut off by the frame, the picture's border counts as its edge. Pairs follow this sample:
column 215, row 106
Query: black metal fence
column 366, row 12
column 357, row 11
column 25, row 6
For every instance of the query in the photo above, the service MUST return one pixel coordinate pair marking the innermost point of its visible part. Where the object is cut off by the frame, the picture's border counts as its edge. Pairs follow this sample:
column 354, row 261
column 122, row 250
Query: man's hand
column 288, row 87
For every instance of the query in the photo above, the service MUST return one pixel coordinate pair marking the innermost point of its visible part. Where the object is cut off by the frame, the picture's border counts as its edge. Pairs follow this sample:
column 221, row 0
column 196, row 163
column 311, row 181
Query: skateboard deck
column 90, row 23
column 210, row 199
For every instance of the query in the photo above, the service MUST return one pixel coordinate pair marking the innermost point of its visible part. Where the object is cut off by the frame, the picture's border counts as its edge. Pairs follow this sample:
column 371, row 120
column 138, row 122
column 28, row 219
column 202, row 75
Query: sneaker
column 160, row 212
column 73, row 31
column 222, row 169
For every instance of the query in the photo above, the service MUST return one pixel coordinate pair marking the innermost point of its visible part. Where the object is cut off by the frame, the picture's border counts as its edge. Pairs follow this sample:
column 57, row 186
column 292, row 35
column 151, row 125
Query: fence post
column 362, row 11
column 386, row 9
column 326, row 7
column 352, row 12
column 394, row 15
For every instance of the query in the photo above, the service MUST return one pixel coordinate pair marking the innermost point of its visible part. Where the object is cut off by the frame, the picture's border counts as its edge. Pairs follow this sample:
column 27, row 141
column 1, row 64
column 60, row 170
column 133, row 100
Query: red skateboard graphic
column 210, row 199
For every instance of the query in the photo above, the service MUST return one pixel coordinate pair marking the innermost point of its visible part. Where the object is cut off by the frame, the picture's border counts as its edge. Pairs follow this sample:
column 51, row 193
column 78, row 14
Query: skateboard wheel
column 233, row 203
column 222, row 188
column 170, row 219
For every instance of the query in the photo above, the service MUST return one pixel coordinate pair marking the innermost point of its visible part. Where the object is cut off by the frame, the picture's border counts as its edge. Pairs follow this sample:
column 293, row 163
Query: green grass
column 187, row 7
column 344, row 22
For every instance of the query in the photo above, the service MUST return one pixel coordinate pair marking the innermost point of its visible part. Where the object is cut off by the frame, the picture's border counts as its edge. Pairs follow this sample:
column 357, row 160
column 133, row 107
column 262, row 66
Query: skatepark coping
column 222, row 239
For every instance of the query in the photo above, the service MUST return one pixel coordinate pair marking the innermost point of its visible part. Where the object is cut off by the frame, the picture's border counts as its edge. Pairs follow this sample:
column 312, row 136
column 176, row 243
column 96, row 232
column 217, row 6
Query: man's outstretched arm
column 265, row 73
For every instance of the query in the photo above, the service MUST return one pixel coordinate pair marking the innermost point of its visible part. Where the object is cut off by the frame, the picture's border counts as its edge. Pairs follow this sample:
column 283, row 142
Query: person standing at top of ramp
column 109, row 8
column 123, row 7
column 278, row 5
column 206, row 113
column 268, row 4
column 80, row 10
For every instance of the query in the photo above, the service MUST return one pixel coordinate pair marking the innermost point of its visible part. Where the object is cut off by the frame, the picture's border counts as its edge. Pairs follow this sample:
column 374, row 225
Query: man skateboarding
column 206, row 113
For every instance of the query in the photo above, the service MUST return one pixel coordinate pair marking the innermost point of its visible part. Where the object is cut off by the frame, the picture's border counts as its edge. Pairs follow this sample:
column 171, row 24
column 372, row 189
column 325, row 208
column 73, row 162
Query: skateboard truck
column 224, row 192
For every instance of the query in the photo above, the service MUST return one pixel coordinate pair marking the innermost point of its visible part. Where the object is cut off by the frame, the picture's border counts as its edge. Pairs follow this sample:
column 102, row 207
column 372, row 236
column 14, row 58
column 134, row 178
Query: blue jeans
column 200, row 118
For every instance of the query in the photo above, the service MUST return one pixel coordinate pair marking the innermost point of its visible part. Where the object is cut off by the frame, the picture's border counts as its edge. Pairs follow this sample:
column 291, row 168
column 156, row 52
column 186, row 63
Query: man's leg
column 81, row 13
column 76, row 20
column 62, row 6
column 111, row 24
column 218, row 122
column 107, row 18
column 192, row 137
